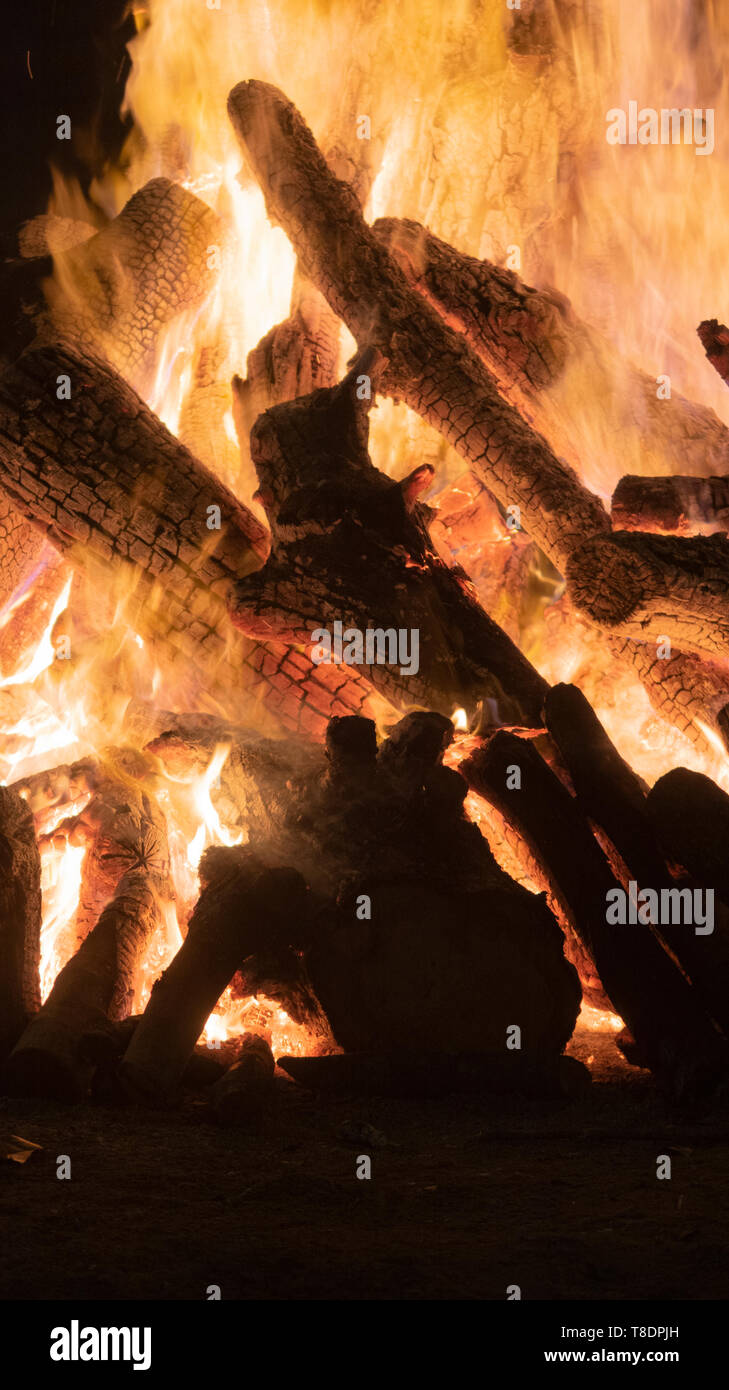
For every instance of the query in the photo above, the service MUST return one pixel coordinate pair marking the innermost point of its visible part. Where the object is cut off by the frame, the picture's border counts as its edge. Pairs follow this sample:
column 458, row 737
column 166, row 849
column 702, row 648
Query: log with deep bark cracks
column 614, row 798
column 125, row 500
column 121, row 826
column 429, row 366
column 97, row 983
column 656, row 586
column 677, row 506
column 115, row 294
column 681, row 1043
column 351, row 545
column 687, row 690
column 20, row 918
column 548, row 361
column 244, row 907
column 247, row 1086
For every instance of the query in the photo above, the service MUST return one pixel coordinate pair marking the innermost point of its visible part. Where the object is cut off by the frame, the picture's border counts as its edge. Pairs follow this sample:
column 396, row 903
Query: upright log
column 691, row 819
column 679, row 1040
column 614, row 798
column 428, row 366
column 20, row 918
column 96, row 984
column 243, row 907
column 352, row 546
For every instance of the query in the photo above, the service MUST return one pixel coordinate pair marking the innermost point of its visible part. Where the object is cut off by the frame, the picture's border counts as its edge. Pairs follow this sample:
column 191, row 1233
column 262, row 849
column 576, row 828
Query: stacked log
column 20, row 918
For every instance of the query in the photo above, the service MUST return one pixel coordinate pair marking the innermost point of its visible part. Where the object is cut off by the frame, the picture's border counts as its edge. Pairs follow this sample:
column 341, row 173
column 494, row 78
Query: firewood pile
column 353, row 889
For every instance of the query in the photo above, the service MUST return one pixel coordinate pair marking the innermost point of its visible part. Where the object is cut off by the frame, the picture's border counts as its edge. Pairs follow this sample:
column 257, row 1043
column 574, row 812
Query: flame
column 210, row 831
column 493, row 148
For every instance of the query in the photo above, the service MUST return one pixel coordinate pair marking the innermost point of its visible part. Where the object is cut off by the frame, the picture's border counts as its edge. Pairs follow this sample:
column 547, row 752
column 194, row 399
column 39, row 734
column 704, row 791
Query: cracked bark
column 115, row 491
column 641, row 585
column 350, row 544
column 542, row 355
column 428, row 366
column 97, row 984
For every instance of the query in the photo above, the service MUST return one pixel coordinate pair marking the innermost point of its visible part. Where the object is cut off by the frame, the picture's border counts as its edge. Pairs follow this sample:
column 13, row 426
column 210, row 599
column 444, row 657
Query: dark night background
column 80, row 67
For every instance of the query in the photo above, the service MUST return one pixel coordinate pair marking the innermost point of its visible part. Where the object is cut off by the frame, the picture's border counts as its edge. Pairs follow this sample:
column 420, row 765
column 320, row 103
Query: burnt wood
column 428, row 366
column 684, row 1049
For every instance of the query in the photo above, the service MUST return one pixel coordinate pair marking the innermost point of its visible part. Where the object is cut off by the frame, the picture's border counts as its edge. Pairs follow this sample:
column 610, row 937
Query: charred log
column 97, row 983
column 428, row 366
column 542, row 354
column 691, row 818
column 247, row 1086
column 615, row 801
column 20, row 918
column 645, row 987
column 677, row 506
column 243, row 907
column 349, row 545
column 656, row 586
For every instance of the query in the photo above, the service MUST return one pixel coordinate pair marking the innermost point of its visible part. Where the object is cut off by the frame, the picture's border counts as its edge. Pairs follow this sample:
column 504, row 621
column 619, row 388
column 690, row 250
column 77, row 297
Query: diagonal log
column 96, row 984
column 663, row 1014
column 116, row 492
column 112, row 296
column 118, row 291
column 548, row 361
column 350, row 545
column 643, row 586
column 614, row 799
column 429, row 366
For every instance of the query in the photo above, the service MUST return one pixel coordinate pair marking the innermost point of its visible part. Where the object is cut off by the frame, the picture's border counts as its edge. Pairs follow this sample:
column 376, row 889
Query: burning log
column 714, row 337
column 244, row 907
column 350, row 545
column 658, row 586
column 136, row 502
column 247, row 1086
column 689, row 691
column 21, row 546
column 20, row 918
column 428, row 366
column 609, row 792
column 691, row 818
column 678, row 506
column 542, row 354
column 121, row 825
column 97, row 983
column 295, row 358
column 112, row 295
column 663, row 1014
column 117, row 292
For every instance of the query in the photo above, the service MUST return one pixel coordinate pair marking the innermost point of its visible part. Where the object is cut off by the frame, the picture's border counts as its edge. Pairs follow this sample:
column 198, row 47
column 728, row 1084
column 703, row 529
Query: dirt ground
column 467, row 1196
